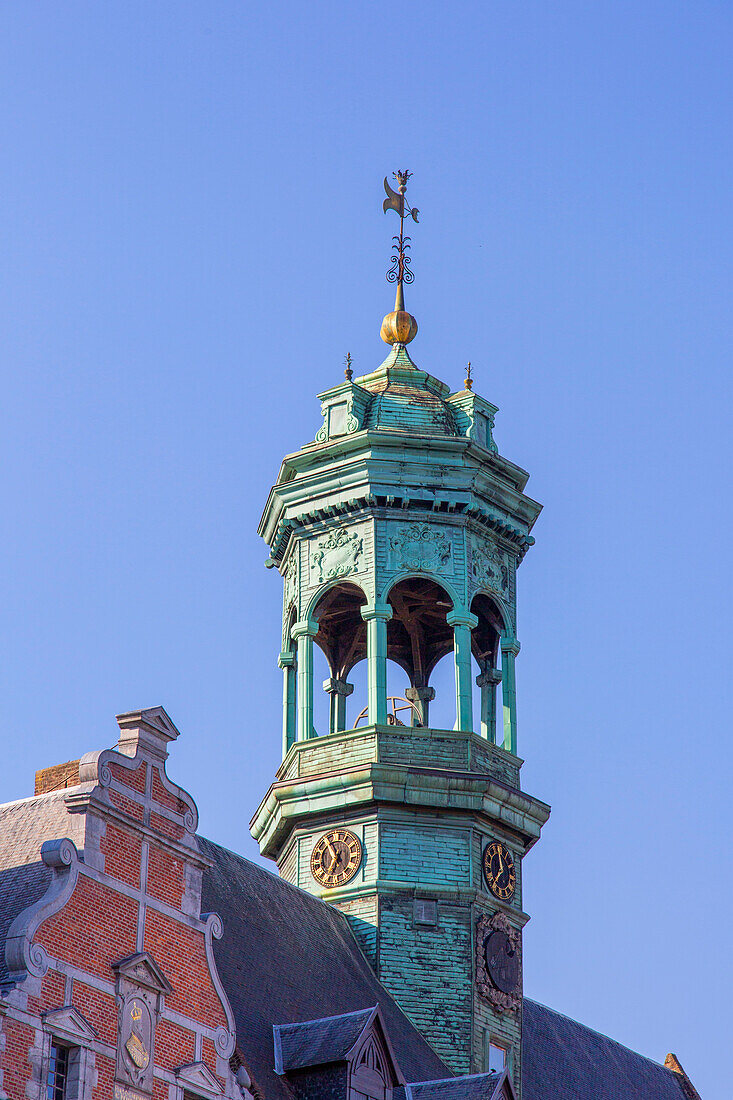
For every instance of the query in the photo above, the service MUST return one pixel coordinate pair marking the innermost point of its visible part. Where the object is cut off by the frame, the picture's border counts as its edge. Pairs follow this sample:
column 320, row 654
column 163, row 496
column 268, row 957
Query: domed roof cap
column 407, row 399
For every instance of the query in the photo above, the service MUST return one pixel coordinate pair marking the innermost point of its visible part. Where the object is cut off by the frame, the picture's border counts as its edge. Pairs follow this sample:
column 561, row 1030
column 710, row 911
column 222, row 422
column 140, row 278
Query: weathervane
column 348, row 373
column 399, row 327
column 400, row 272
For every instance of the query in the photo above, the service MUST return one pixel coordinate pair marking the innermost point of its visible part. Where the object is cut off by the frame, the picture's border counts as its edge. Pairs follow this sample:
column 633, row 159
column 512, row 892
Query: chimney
column 57, row 777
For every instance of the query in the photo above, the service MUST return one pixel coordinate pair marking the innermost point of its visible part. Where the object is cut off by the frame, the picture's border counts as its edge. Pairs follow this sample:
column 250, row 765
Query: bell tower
column 398, row 533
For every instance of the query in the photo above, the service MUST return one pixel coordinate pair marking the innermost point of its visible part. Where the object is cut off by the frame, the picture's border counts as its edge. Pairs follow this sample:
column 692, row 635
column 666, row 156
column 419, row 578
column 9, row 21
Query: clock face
column 502, row 961
column 336, row 858
column 499, row 872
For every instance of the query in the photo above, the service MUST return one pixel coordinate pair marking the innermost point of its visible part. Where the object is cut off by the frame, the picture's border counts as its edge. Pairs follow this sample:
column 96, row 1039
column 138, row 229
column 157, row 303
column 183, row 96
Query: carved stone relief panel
column 140, row 989
column 290, row 578
column 499, row 962
column 135, row 1043
column 490, row 567
column 339, row 552
column 421, row 547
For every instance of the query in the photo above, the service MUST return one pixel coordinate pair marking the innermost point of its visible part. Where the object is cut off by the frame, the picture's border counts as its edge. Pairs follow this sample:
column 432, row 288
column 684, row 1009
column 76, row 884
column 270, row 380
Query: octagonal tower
column 398, row 533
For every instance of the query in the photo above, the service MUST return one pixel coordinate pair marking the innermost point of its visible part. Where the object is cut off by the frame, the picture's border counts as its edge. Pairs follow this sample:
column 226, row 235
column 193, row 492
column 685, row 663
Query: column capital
column 510, row 645
column 376, row 611
column 490, row 678
column 424, row 694
column 337, row 687
column 286, row 659
column 459, row 617
column 305, row 626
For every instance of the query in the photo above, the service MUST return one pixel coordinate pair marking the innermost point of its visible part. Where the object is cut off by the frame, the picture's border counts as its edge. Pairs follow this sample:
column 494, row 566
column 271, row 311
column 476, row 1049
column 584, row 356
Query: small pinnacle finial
column 399, row 327
column 469, row 377
column 348, row 373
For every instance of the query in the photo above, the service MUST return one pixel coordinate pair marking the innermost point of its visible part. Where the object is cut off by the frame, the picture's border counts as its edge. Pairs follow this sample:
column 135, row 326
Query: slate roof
column 317, row 1042
column 24, row 879
column 564, row 1060
column 480, row 1086
column 286, row 957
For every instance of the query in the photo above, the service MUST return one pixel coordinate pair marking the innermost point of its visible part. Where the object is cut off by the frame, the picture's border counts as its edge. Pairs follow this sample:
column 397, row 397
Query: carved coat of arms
column 135, row 1046
column 141, row 986
column 337, row 555
column 421, row 547
column 489, row 568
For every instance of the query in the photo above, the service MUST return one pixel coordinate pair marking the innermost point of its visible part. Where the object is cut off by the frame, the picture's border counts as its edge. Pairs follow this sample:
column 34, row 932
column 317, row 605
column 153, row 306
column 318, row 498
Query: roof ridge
column 458, row 1077
column 33, row 798
column 325, row 1019
column 601, row 1035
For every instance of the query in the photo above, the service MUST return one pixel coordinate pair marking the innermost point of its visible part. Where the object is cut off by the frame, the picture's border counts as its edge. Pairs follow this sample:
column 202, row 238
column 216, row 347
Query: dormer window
column 369, row 1076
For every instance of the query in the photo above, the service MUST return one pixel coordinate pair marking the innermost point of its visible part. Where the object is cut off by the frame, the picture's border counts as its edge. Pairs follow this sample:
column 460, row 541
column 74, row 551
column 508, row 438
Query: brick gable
column 117, row 938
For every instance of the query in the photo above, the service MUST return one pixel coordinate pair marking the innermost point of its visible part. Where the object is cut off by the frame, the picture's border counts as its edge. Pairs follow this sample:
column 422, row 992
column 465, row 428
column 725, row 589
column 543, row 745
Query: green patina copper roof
column 407, row 399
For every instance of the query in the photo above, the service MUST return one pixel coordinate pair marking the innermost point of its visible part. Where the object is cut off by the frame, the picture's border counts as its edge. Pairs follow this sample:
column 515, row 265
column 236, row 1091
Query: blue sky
column 192, row 238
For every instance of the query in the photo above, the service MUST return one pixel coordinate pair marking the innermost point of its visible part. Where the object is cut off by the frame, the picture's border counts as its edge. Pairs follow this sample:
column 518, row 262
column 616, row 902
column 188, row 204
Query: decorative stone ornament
column 141, row 986
column 499, row 962
column 488, row 567
column 421, row 547
column 337, row 554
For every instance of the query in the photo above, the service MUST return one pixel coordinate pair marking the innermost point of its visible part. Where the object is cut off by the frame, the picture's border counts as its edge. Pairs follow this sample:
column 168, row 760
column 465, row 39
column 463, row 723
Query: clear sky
column 192, row 239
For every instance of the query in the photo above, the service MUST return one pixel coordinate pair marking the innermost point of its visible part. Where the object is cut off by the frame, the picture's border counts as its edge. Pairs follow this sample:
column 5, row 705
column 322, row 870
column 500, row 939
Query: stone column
column 376, row 617
column 286, row 661
column 509, row 650
column 304, row 633
column 338, row 691
column 463, row 623
column 422, row 697
column 488, row 681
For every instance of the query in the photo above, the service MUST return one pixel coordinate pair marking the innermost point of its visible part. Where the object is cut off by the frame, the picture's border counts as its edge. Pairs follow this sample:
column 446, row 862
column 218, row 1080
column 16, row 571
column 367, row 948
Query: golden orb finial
column 398, row 327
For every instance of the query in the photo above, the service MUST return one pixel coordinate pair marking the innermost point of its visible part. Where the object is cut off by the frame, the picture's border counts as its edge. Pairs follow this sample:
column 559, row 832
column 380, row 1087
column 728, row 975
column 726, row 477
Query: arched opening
column 493, row 682
column 443, row 683
column 342, row 639
column 418, row 637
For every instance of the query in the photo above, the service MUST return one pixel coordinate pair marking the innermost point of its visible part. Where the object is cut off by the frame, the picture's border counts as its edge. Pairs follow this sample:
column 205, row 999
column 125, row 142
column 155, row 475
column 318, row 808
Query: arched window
column 370, row 1077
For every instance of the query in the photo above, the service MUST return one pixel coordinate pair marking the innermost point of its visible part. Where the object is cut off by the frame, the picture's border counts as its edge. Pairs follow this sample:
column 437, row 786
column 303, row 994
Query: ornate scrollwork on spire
column 399, row 327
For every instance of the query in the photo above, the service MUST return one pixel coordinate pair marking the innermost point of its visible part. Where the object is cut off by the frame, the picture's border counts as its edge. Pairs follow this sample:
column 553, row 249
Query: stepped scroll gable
column 398, row 533
column 108, row 985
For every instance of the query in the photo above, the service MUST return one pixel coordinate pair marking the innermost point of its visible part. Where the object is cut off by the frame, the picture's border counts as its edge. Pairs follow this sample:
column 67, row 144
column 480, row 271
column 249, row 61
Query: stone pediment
column 141, row 969
column 68, row 1023
column 198, row 1078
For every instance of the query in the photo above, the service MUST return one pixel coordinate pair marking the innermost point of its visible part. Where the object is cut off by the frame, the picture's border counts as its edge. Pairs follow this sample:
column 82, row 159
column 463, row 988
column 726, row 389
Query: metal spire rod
column 400, row 272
